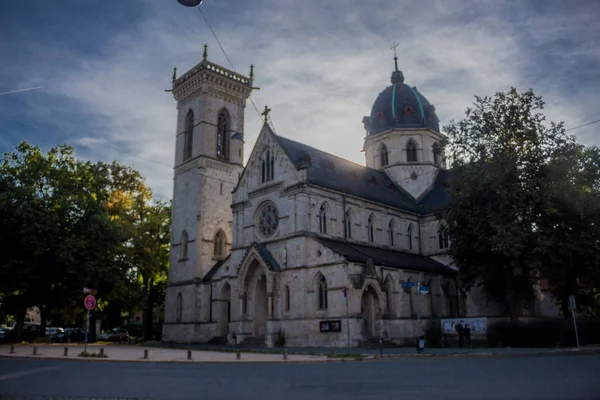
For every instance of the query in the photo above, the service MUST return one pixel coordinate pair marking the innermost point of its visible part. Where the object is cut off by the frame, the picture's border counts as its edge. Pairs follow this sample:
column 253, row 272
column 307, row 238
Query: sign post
column 90, row 303
column 572, row 308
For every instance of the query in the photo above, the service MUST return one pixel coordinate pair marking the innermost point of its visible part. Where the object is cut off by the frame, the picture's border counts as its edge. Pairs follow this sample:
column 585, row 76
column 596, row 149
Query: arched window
column 219, row 244
column 389, row 288
column 287, row 298
column 178, row 308
column 391, row 232
column 411, row 151
column 409, row 234
column 268, row 166
column 223, row 135
column 383, row 155
column 371, row 229
column 245, row 300
column 322, row 289
column 188, row 136
column 183, row 246
column 348, row 224
column 443, row 240
column 323, row 218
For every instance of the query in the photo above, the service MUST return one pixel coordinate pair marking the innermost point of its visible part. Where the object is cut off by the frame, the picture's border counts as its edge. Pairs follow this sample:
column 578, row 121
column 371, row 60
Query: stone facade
column 293, row 245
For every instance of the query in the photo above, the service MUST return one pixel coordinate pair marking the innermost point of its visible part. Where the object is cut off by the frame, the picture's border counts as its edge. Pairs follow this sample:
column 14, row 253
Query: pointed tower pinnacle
column 205, row 55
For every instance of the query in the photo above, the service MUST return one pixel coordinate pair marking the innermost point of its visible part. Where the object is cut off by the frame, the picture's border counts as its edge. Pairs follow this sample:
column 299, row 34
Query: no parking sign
column 90, row 302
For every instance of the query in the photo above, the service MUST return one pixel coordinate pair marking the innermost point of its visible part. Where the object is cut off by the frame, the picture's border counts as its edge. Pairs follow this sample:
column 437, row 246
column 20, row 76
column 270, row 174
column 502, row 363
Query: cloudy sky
column 104, row 66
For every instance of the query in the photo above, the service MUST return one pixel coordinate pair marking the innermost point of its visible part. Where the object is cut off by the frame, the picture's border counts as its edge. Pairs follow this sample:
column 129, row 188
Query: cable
column 231, row 64
column 581, row 126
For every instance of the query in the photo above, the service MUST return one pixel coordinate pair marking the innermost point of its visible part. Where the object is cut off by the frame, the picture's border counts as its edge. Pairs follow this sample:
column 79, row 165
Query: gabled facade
column 306, row 227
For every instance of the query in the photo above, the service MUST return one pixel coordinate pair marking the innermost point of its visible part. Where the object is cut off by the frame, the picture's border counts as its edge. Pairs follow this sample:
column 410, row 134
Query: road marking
column 27, row 372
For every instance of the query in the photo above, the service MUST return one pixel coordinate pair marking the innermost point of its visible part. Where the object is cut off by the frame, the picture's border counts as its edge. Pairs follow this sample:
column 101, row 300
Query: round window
column 268, row 219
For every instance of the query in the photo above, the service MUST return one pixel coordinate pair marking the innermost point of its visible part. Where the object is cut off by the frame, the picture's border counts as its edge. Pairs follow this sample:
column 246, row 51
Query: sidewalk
column 155, row 354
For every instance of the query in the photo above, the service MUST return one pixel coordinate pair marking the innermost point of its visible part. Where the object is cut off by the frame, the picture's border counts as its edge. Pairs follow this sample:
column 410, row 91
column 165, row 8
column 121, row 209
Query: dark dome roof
column 402, row 106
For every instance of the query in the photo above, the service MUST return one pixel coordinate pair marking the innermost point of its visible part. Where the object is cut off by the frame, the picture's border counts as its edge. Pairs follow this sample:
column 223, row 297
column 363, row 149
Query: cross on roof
column 394, row 46
column 265, row 113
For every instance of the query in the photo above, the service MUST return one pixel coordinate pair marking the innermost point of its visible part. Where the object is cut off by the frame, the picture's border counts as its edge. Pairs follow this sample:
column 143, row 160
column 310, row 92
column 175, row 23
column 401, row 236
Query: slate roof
column 214, row 269
column 386, row 257
column 336, row 173
column 267, row 256
column 438, row 197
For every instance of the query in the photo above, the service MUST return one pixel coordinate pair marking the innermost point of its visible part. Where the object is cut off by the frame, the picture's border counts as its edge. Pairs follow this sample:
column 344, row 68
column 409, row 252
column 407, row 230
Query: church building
column 301, row 244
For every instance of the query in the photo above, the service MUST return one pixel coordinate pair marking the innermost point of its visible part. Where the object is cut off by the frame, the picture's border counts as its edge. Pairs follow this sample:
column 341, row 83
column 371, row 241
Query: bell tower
column 209, row 151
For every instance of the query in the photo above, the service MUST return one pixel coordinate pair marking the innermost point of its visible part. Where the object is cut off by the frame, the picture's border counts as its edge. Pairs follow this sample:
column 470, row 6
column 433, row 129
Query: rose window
column 268, row 219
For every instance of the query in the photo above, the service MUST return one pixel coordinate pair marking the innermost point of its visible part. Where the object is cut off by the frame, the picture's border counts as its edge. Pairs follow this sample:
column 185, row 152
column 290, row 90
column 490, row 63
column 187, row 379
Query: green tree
column 500, row 153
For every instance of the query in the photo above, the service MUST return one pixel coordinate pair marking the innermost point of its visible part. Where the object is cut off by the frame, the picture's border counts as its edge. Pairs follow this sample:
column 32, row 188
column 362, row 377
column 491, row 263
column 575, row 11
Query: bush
column 433, row 333
column 543, row 333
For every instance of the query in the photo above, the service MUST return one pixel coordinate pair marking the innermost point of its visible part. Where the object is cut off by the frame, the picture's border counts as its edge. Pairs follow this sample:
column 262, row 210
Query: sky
column 104, row 66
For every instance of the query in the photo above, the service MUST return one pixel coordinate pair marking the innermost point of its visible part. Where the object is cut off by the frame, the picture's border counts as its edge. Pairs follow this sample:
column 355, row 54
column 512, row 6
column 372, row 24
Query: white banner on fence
column 477, row 325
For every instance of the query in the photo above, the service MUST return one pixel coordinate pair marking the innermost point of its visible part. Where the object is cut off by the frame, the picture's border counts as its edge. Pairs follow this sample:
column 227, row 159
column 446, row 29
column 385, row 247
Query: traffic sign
column 90, row 302
column 409, row 284
column 424, row 288
column 571, row 303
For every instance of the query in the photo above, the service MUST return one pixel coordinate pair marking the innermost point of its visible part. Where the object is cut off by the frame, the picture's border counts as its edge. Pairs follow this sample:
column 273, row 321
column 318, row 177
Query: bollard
column 238, row 355
column 101, row 352
column 285, row 354
column 66, row 352
column 12, row 349
column 34, row 350
column 145, row 354
column 189, row 354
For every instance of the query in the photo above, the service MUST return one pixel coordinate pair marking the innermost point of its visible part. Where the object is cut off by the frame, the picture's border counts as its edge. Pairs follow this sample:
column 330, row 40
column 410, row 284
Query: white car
column 54, row 331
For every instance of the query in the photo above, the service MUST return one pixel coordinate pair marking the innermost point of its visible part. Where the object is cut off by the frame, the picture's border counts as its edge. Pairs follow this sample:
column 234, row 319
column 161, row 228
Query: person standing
column 467, row 335
column 461, row 333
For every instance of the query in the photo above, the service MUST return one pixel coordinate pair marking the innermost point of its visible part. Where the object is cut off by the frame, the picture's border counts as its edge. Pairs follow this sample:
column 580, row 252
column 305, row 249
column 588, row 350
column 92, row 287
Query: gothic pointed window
column 322, row 289
column 391, row 232
column 443, row 240
column 383, row 155
column 348, row 224
column 223, row 133
column 268, row 166
column 411, row 151
column 183, row 246
column 178, row 308
column 323, row 218
column 409, row 234
column 219, row 244
column 188, row 135
column 371, row 229
column 287, row 298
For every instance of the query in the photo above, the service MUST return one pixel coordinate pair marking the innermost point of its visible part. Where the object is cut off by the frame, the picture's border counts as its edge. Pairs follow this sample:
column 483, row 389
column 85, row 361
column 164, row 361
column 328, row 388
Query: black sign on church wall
column 330, row 326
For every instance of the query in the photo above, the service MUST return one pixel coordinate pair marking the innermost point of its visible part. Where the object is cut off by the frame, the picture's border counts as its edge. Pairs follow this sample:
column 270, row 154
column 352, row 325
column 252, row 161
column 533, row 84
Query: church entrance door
column 260, row 307
column 224, row 311
column 370, row 311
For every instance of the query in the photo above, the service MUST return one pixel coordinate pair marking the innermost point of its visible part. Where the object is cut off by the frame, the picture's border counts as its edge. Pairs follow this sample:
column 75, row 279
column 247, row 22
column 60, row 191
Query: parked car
column 4, row 335
column 52, row 331
column 70, row 335
column 114, row 335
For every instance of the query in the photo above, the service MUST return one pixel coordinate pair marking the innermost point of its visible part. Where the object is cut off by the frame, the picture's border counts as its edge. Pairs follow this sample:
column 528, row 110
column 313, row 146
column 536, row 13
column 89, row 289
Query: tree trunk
column 19, row 322
column 148, row 311
column 43, row 319
column 92, row 329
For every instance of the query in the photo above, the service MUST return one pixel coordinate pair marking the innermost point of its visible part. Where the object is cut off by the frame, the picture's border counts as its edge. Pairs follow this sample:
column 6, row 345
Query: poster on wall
column 330, row 326
column 477, row 325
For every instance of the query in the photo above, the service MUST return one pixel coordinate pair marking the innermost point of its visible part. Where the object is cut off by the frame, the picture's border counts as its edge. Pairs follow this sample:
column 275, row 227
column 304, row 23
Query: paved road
column 552, row 377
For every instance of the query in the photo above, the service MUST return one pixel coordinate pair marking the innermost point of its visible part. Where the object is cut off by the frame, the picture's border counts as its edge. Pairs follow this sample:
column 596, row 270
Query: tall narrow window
column 178, row 308
column 443, row 237
column 383, row 155
column 371, row 229
column 223, row 135
column 287, row 298
column 268, row 166
column 219, row 244
column 391, row 232
column 188, row 136
column 323, row 218
column 411, row 151
column 322, row 293
column 183, row 246
column 348, row 224
column 409, row 234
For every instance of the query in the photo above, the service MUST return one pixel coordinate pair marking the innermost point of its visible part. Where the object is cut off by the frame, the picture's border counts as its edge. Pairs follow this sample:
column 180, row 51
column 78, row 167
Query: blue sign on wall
column 409, row 284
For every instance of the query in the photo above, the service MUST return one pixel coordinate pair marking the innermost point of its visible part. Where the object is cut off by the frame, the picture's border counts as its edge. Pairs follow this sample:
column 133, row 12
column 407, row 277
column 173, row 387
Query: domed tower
column 403, row 136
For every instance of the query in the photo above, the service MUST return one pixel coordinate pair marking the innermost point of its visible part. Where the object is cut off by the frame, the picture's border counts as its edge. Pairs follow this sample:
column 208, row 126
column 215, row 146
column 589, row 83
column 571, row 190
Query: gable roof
column 386, row 257
column 335, row 173
column 438, row 197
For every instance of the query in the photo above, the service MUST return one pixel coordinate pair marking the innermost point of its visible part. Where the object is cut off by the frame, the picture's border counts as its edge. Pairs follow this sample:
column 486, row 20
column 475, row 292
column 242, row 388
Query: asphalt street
column 574, row 377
